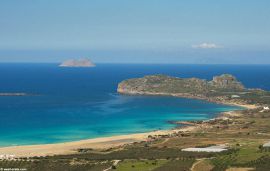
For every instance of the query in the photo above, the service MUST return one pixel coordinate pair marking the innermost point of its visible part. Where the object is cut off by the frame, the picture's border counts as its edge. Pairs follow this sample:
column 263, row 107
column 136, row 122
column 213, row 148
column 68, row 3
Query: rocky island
column 77, row 63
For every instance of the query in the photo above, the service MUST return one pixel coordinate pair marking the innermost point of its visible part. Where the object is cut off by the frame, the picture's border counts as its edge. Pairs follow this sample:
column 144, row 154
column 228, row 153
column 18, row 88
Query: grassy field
column 140, row 165
column 55, row 165
column 176, row 165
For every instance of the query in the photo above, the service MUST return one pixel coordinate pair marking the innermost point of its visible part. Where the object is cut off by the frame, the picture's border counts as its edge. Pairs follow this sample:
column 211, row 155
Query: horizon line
column 140, row 63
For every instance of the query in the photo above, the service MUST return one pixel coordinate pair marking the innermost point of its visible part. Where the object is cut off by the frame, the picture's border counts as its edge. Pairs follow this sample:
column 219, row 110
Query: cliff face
column 226, row 81
column 167, row 84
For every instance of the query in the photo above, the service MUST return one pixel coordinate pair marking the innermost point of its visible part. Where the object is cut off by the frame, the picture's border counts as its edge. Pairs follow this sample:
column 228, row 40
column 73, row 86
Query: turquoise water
column 79, row 103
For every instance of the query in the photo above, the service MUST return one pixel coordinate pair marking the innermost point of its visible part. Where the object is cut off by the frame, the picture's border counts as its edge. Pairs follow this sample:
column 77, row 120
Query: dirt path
column 203, row 166
column 195, row 164
column 115, row 162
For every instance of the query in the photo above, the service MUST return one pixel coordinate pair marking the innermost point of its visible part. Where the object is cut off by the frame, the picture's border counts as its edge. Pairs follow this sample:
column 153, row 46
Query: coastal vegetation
column 168, row 84
column 221, row 89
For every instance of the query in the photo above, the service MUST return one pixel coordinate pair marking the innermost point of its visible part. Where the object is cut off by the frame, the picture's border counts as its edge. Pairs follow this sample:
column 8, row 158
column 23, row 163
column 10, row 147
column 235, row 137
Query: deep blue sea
column 79, row 103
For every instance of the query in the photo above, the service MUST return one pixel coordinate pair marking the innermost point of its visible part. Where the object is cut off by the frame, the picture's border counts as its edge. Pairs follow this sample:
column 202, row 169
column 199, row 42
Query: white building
column 266, row 108
column 215, row 148
column 267, row 144
column 6, row 156
column 235, row 96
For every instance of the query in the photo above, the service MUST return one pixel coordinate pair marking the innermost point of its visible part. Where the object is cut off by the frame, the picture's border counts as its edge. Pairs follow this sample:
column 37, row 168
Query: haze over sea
column 79, row 103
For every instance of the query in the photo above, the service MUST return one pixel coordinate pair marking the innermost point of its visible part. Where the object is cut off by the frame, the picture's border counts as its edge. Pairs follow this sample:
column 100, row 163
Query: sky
column 136, row 31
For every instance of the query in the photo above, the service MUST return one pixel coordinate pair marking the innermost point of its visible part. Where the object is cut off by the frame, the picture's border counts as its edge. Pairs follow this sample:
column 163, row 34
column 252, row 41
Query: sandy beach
column 95, row 143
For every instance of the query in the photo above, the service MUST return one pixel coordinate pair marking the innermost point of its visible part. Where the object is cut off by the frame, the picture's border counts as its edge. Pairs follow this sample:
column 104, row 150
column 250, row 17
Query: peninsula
column 77, row 63
column 221, row 89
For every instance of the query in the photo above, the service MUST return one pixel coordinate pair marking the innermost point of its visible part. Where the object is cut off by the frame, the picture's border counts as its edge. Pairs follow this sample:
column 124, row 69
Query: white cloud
column 206, row 46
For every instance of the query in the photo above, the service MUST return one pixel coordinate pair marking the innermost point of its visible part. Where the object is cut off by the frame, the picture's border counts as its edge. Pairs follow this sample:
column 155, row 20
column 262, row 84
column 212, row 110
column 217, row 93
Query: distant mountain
column 77, row 63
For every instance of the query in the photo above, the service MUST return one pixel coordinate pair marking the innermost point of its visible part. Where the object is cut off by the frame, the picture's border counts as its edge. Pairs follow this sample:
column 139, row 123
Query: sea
column 70, row 104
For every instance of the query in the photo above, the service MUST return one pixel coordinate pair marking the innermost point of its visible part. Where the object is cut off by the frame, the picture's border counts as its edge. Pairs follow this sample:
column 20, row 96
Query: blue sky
column 138, row 31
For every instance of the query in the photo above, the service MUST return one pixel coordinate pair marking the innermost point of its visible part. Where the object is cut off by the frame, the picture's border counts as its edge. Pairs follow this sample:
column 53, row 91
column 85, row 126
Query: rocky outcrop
column 77, row 63
column 226, row 81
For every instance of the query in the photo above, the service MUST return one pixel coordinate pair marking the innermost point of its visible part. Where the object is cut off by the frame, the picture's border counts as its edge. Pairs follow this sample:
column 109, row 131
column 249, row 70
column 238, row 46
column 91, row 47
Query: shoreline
column 117, row 140
column 191, row 96
column 99, row 143
column 93, row 143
